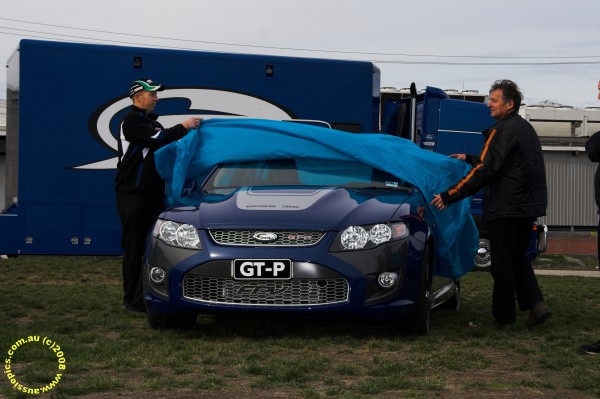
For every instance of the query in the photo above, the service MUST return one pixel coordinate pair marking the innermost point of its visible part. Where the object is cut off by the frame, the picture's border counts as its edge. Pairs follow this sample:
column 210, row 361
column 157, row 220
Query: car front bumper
column 324, row 284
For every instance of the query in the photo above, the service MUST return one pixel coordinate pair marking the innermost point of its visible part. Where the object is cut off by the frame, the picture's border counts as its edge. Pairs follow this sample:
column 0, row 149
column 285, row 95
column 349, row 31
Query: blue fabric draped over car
column 237, row 140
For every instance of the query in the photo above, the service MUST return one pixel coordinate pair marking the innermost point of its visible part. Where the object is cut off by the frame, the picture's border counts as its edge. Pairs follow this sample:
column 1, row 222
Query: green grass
column 561, row 261
column 76, row 301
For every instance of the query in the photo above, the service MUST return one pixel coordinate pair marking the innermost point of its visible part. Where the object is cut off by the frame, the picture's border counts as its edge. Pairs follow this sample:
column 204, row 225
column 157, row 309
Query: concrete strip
column 582, row 273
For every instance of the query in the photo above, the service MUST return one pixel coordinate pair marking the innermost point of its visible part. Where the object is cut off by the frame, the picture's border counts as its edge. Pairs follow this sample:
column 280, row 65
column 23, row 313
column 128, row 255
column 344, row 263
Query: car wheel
column 483, row 259
column 420, row 321
column 172, row 322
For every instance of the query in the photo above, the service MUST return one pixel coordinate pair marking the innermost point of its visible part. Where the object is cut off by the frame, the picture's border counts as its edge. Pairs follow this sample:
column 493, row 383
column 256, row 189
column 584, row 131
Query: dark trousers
column 511, row 268
column 137, row 213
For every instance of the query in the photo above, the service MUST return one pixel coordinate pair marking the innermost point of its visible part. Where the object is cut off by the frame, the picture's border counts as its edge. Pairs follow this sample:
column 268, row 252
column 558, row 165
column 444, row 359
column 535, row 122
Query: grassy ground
column 560, row 261
column 108, row 352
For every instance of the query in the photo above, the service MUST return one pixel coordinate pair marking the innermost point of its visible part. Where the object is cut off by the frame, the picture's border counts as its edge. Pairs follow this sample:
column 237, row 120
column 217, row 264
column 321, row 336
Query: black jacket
column 592, row 148
column 511, row 168
column 140, row 135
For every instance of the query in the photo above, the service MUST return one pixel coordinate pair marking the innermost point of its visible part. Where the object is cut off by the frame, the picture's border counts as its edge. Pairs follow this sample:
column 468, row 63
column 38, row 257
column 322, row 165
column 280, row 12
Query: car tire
column 421, row 317
column 171, row 322
column 483, row 259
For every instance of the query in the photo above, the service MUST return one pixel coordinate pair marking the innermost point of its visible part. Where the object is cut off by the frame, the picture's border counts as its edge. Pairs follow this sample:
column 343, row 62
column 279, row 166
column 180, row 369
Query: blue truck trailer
column 65, row 100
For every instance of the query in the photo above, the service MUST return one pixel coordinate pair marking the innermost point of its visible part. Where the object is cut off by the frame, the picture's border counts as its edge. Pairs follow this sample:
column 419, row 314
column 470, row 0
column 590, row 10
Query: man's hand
column 437, row 202
column 462, row 157
column 191, row 123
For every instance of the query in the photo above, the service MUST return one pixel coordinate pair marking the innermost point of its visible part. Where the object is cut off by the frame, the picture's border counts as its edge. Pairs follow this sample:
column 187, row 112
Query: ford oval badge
column 264, row 236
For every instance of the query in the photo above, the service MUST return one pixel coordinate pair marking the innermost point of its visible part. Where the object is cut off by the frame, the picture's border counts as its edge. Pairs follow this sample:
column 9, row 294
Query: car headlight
column 365, row 237
column 354, row 237
column 177, row 234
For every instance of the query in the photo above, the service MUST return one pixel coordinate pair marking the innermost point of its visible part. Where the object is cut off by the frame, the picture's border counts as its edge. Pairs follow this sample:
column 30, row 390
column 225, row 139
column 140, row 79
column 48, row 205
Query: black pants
column 511, row 268
column 137, row 213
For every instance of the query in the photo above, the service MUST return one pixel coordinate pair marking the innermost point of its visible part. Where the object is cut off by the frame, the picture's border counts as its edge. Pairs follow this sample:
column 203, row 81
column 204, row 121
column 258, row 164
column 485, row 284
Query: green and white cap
column 144, row 84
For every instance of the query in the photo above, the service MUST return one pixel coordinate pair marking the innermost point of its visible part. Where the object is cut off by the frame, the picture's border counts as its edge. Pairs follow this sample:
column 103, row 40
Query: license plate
column 262, row 269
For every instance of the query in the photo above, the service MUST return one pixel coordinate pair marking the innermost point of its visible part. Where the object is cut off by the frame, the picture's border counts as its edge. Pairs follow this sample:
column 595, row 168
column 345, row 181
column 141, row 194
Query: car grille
column 299, row 292
column 284, row 238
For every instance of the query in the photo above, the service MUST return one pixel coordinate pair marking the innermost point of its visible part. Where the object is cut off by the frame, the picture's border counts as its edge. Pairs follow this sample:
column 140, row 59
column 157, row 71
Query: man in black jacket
column 592, row 148
column 511, row 168
column 139, row 188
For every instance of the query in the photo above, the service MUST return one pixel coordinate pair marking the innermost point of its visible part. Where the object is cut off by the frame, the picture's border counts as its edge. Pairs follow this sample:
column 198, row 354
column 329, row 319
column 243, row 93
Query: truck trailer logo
column 210, row 103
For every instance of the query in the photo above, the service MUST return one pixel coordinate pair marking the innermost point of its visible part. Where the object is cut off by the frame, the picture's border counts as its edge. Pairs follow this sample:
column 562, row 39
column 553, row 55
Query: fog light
column 157, row 275
column 387, row 279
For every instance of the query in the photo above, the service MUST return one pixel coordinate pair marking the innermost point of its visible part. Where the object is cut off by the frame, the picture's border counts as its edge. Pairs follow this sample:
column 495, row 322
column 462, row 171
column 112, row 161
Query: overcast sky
column 551, row 48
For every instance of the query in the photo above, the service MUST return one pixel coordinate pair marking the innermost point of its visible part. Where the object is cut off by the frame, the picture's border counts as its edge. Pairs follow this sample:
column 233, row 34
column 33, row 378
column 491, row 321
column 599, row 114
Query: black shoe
column 538, row 315
column 591, row 349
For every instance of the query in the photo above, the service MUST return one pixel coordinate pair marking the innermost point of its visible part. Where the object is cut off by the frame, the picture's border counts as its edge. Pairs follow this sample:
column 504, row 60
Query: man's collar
column 150, row 115
column 511, row 113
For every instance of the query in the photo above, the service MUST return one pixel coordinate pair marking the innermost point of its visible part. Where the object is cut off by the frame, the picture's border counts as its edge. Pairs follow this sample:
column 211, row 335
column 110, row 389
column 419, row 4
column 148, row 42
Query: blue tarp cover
column 234, row 140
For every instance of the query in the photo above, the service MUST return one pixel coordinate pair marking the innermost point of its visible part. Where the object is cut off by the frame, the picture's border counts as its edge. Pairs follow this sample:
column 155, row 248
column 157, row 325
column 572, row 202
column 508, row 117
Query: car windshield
column 300, row 172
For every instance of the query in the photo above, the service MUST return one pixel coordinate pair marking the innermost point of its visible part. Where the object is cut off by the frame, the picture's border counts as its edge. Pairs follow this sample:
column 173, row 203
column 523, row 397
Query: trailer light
column 157, row 275
column 387, row 280
column 269, row 71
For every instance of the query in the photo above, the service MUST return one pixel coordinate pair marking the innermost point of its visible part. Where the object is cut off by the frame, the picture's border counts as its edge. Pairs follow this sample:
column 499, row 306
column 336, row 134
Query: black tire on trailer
column 483, row 259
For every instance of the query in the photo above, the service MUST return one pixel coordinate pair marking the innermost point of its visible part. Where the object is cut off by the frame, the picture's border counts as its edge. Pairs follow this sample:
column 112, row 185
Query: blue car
column 296, row 238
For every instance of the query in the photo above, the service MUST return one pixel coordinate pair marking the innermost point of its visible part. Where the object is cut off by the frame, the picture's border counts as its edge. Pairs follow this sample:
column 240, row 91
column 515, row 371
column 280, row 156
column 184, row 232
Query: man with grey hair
column 511, row 169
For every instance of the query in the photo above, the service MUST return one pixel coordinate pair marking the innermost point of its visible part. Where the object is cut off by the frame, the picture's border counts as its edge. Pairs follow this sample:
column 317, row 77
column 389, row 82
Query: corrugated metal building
column 563, row 131
column 570, row 179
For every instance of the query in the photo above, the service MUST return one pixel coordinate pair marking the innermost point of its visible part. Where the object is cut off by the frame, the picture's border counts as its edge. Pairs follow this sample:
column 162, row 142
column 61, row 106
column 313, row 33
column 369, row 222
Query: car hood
column 315, row 208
